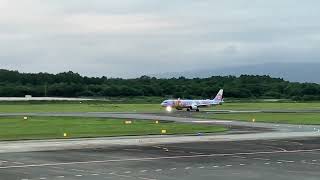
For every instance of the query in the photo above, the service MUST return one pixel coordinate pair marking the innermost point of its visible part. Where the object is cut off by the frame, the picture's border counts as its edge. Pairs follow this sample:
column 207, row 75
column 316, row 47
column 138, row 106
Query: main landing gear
column 188, row 109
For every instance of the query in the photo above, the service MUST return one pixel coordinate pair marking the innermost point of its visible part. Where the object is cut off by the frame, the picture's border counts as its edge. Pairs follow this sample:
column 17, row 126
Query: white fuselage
column 191, row 104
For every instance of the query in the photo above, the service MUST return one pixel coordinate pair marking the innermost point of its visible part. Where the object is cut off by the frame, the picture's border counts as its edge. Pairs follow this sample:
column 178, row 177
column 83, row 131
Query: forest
column 70, row 84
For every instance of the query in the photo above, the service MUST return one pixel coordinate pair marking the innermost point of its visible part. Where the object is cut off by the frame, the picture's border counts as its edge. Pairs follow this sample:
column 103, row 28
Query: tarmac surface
column 269, row 159
column 250, row 151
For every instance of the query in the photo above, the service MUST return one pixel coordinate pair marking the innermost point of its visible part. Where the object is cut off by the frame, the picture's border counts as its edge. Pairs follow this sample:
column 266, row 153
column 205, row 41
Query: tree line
column 70, row 84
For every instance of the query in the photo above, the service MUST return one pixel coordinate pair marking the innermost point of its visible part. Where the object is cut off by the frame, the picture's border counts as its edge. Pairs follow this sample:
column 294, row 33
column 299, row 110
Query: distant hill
column 294, row 72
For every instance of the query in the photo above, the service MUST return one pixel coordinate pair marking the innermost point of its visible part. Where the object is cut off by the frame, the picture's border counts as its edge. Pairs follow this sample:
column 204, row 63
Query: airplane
column 180, row 104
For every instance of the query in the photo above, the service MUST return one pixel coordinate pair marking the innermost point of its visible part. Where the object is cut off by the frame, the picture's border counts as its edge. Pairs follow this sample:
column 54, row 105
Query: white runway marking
column 293, row 142
column 156, row 158
column 310, row 163
column 282, row 149
column 144, row 178
column 79, row 170
column 166, row 149
column 242, row 157
column 286, row 161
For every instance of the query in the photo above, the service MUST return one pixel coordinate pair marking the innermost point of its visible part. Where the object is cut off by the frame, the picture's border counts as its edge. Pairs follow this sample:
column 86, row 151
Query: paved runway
column 269, row 151
column 268, row 159
column 254, row 131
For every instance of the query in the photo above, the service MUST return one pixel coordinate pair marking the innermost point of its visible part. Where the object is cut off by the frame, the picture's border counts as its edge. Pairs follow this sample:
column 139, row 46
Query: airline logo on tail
column 219, row 96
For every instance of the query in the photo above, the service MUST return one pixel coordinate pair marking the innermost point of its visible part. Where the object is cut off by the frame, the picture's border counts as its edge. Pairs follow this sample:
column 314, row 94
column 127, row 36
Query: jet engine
column 194, row 107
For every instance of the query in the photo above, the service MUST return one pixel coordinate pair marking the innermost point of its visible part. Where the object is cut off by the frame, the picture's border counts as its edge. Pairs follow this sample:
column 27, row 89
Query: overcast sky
column 128, row 38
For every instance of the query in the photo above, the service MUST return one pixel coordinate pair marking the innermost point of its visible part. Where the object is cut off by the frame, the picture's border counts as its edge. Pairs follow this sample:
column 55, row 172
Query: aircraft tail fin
column 219, row 96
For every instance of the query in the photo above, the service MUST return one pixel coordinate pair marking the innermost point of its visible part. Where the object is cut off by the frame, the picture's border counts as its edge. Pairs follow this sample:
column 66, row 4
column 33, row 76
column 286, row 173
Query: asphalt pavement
column 250, row 151
column 268, row 159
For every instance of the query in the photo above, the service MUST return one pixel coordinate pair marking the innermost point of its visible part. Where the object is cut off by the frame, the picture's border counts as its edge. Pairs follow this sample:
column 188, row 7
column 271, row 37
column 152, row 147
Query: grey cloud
column 134, row 37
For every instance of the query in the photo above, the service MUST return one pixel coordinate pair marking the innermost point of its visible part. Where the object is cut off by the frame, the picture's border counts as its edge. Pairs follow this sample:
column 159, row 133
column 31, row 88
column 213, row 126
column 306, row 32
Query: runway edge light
column 25, row 118
column 127, row 122
column 163, row 131
column 65, row 134
column 253, row 120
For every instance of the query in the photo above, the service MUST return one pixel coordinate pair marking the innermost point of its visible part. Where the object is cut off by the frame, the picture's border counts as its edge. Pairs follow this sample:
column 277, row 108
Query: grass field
column 77, row 107
column 15, row 128
column 122, row 107
column 287, row 118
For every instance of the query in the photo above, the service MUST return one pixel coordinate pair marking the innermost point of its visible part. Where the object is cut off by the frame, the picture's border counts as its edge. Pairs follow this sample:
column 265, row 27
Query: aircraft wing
column 203, row 104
